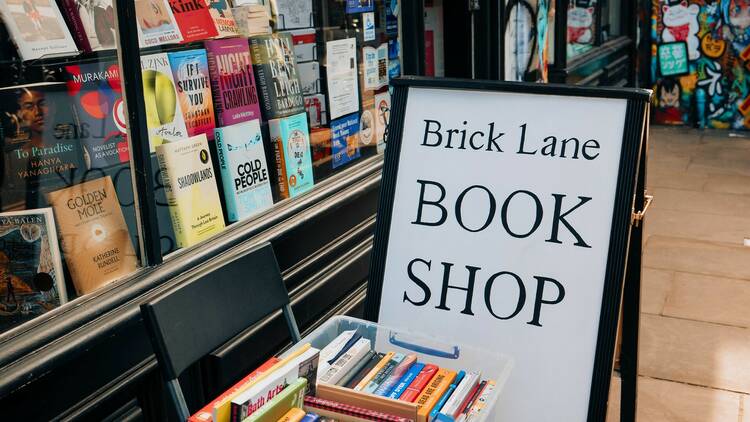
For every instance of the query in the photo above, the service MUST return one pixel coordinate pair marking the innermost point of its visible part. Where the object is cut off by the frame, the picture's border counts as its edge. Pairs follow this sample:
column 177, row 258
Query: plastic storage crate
column 492, row 365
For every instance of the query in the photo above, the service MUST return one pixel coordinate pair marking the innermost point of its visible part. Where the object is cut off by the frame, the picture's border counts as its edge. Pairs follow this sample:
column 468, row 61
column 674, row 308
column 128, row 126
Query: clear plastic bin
column 492, row 365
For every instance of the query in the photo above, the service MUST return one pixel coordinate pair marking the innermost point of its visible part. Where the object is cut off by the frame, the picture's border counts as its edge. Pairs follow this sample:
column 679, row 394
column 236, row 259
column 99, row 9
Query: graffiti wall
column 527, row 36
column 700, row 62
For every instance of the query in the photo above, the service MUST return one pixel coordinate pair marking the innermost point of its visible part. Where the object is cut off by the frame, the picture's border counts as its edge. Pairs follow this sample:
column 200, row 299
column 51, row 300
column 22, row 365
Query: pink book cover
column 232, row 81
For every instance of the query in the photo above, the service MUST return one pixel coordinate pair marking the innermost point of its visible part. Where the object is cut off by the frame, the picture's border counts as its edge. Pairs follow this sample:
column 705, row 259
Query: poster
column 368, row 22
column 376, row 66
column 345, row 140
column 343, row 87
column 358, row 6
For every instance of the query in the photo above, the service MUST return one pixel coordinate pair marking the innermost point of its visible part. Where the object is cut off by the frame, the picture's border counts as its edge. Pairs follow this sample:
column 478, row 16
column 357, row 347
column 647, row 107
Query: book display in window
column 193, row 85
column 100, row 111
column 232, row 81
column 276, row 75
column 37, row 28
column 291, row 143
column 40, row 148
column 164, row 115
column 94, row 236
column 31, row 275
column 92, row 23
column 156, row 23
column 245, row 175
column 190, row 186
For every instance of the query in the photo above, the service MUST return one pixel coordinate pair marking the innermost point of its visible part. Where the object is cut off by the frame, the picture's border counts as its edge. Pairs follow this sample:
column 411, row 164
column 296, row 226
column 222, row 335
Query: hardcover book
column 291, row 143
column 277, row 75
column 41, row 149
column 190, row 184
column 290, row 397
column 345, row 139
column 156, row 23
column 242, row 159
column 97, row 103
column 164, row 117
column 224, row 21
column 194, row 19
column 193, row 85
column 292, row 14
column 37, row 28
column 232, row 81
column 95, row 238
column 92, row 23
column 31, row 274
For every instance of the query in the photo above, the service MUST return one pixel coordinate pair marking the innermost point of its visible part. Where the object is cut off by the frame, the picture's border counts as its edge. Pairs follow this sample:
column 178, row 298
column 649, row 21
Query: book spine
column 393, row 378
column 420, row 382
column 374, row 359
column 213, row 71
column 470, row 399
column 235, row 413
column 429, row 397
column 407, row 379
column 481, row 400
column 447, row 394
column 226, row 176
column 345, row 363
column 351, row 374
column 453, row 404
column 278, row 148
column 262, row 69
column 383, row 374
column 76, row 25
column 374, row 371
column 174, row 207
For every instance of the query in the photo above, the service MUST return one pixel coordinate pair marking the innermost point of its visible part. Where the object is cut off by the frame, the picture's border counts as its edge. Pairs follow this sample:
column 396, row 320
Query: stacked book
column 347, row 380
column 252, row 19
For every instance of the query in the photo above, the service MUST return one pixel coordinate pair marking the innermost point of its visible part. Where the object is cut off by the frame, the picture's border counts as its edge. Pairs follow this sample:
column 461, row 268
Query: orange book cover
column 432, row 393
column 206, row 414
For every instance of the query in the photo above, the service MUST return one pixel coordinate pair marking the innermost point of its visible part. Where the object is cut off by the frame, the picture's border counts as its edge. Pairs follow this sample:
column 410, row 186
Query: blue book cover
column 406, row 380
column 245, row 176
column 345, row 139
column 291, row 140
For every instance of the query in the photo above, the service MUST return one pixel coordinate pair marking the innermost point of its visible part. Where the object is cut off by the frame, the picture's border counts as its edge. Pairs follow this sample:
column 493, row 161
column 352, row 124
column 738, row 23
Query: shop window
column 247, row 102
column 611, row 19
column 529, row 26
column 582, row 32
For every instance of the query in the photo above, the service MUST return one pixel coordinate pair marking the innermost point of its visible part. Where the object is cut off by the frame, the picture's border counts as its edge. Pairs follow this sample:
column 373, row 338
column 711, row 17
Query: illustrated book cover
column 276, row 75
column 245, row 175
column 95, row 239
column 291, row 142
column 190, row 185
column 233, row 84
column 221, row 13
column 193, row 85
column 156, row 23
column 31, row 274
column 37, row 27
column 164, row 117
column 345, row 140
column 92, row 23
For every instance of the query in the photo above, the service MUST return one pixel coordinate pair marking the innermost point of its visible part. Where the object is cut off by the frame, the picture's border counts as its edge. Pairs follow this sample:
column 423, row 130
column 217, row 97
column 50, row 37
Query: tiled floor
column 695, row 323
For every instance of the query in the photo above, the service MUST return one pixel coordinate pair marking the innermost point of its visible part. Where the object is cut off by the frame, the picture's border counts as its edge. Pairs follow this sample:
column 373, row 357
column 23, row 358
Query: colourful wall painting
column 527, row 39
column 581, row 27
column 715, row 91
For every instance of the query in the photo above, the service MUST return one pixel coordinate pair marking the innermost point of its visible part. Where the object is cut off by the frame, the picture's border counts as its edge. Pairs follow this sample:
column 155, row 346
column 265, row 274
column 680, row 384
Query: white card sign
column 503, row 223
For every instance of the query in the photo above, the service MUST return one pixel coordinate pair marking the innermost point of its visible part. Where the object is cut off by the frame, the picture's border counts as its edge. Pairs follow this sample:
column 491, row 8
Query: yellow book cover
column 294, row 415
column 374, row 371
column 223, row 409
column 190, row 185
column 432, row 393
column 95, row 239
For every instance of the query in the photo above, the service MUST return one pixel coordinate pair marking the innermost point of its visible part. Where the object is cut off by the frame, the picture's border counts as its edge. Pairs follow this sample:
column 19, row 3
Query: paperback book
column 221, row 13
column 95, row 238
column 156, row 23
column 277, row 75
column 193, row 19
column 92, row 23
column 232, row 81
column 164, row 117
column 290, row 397
column 345, row 140
column 31, row 274
column 245, row 176
column 37, row 28
column 98, row 106
column 291, row 143
column 190, row 185
column 193, row 85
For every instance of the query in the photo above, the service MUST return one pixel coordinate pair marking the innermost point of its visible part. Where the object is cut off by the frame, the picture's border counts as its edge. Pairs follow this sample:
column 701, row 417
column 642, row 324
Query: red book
column 315, row 403
column 206, row 413
column 415, row 388
column 70, row 9
column 194, row 19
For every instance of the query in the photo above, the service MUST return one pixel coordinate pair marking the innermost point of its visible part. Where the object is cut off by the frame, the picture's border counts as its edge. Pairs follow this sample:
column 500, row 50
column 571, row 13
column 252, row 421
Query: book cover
column 309, row 77
column 93, row 23
column 156, row 23
column 95, row 239
column 245, row 176
column 345, row 140
column 346, row 362
column 164, row 115
column 316, row 110
column 206, row 413
column 221, row 13
column 405, row 380
column 37, row 28
column 374, row 371
column 194, row 19
column 294, row 415
column 311, row 417
column 291, row 143
column 40, row 146
column 252, row 19
column 232, row 81
column 292, row 14
column 414, row 389
column 334, row 349
column 383, row 374
column 31, row 274
column 305, row 45
column 97, row 103
column 192, row 194
column 277, row 75
column 193, row 85
column 290, row 397
column 433, row 391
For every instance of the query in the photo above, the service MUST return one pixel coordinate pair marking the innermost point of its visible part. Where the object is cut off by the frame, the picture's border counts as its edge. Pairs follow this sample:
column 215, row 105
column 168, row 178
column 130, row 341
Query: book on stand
column 193, row 85
column 92, row 23
column 156, row 23
column 194, row 19
column 291, row 143
column 37, row 28
column 223, row 18
column 232, row 81
column 164, row 117
column 276, row 75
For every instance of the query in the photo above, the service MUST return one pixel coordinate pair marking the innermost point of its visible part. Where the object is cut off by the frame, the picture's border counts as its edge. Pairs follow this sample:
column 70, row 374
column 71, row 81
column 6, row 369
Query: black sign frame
column 622, row 220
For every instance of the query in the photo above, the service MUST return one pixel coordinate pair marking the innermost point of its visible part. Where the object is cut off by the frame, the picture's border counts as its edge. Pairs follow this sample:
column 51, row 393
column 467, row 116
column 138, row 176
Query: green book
column 290, row 397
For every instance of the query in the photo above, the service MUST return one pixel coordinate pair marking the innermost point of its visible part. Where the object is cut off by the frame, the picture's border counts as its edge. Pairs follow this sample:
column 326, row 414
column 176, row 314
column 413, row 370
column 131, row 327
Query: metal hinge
column 637, row 217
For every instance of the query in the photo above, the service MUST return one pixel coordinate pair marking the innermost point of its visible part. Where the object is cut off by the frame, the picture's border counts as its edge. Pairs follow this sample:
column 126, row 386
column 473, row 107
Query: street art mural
column 527, row 34
column 581, row 21
column 712, row 90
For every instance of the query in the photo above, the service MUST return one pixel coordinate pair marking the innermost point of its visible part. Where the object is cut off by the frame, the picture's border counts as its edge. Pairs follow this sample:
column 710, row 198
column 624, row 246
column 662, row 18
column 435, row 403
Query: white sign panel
column 342, row 77
column 500, row 234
